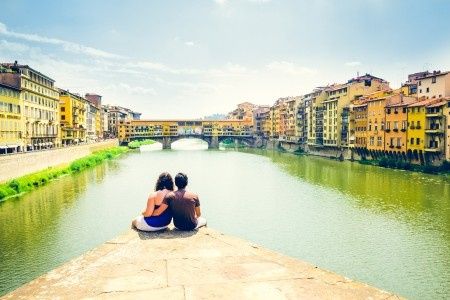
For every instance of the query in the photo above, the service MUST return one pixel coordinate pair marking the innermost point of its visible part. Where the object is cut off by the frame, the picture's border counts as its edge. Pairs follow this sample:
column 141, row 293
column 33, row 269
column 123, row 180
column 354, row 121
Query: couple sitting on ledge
column 166, row 203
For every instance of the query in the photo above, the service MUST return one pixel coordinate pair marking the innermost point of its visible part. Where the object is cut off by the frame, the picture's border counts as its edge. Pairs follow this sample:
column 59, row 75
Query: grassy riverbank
column 32, row 181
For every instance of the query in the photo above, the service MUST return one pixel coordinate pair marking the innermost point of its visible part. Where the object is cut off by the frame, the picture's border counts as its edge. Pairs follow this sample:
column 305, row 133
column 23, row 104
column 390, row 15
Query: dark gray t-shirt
column 183, row 204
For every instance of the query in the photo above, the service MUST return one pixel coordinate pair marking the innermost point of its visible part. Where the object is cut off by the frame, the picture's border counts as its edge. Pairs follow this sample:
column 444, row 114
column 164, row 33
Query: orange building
column 359, row 121
column 396, row 118
column 376, row 120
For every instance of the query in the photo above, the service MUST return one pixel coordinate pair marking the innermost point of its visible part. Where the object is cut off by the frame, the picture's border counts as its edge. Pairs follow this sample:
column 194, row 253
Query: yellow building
column 336, row 107
column 11, row 125
column 73, row 118
column 416, row 127
column 40, row 104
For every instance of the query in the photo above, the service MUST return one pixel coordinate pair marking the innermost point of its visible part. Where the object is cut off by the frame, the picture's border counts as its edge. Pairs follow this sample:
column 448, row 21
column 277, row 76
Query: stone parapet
column 20, row 164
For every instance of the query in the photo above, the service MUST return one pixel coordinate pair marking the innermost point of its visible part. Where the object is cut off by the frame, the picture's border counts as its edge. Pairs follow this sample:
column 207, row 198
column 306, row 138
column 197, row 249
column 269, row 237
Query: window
column 412, row 141
column 420, row 83
column 428, row 89
column 433, row 79
column 395, row 125
column 372, row 139
column 417, row 141
column 63, row 117
column 399, row 142
column 379, row 141
column 63, row 109
column 404, row 110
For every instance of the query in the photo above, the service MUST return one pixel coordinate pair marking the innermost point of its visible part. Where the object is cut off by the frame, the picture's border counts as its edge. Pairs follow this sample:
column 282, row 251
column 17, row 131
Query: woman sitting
column 148, row 222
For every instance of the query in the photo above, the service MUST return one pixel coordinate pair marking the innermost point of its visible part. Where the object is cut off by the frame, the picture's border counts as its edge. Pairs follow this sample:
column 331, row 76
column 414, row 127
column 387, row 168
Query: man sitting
column 185, row 206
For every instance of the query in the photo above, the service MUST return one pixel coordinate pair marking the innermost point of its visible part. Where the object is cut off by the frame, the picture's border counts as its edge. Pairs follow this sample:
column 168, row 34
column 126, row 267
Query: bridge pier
column 214, row 144
column 166, row 142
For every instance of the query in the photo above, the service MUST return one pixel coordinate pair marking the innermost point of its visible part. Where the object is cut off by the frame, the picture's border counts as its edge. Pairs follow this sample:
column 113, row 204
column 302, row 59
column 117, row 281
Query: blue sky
column 188, row 59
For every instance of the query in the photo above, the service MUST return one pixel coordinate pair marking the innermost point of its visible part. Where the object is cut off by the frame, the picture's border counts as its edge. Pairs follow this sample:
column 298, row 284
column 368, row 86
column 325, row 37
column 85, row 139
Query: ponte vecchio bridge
column 168, row 131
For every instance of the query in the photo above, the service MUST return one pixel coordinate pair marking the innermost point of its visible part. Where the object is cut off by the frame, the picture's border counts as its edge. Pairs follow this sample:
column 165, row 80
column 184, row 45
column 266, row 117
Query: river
column 388, row 228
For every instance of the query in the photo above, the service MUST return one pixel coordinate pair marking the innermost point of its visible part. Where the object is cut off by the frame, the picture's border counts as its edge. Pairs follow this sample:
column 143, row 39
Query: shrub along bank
column 32, row 181
column 391, row 163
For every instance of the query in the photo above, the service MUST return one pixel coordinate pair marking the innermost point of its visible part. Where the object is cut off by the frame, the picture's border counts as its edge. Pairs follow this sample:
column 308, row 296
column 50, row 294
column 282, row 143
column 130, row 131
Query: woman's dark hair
column 164, row 181
column 181, row 180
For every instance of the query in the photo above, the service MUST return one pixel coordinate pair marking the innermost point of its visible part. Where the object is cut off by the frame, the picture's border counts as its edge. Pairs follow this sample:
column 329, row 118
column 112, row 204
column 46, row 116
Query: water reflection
column 189, row 144
column 153, row 147
column 33, row 227
column 403, row 194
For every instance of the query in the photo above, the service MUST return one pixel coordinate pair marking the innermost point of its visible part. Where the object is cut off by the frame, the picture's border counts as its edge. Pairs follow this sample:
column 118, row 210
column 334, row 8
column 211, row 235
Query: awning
column 3, row 147
column 12, row 146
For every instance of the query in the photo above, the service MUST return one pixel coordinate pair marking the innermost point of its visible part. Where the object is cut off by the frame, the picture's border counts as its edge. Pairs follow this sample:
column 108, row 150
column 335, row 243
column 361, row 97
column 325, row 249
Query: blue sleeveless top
column 162, row 220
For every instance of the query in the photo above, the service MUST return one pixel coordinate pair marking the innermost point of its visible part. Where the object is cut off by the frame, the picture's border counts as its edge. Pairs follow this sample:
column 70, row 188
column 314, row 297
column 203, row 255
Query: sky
column 189, row 59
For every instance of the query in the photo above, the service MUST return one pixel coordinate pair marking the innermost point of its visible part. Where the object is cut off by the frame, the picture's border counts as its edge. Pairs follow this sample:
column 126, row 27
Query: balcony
column 387, row 130
column 433, row 149
column 434, row 128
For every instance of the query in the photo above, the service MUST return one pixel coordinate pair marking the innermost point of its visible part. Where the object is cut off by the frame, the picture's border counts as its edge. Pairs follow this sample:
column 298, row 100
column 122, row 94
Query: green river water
column 388, row 228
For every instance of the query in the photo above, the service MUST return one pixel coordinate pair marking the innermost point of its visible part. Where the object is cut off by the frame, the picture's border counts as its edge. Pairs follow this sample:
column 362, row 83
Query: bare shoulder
column 153, row 195
column 170, row 194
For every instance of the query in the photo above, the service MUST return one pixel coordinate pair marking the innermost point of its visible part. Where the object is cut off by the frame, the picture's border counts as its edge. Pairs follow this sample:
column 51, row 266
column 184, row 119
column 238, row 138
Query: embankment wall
column 20, row 164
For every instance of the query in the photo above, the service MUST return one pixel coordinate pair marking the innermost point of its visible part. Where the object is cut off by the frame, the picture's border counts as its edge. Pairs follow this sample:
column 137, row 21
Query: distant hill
column 215, row 117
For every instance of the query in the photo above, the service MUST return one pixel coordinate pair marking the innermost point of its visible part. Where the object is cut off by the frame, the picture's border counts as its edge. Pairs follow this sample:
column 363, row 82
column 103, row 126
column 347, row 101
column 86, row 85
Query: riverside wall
column 20, row 164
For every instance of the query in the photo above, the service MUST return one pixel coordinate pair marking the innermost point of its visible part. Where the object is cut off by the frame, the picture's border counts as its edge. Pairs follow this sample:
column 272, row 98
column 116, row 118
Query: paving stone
column 203, row 264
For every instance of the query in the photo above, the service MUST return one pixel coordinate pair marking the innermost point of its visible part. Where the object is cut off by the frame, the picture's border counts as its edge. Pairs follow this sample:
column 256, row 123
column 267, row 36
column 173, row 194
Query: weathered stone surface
column 202, row 264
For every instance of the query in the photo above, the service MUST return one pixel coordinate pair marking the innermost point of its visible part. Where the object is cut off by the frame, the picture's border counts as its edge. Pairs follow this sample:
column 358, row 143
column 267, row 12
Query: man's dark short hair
column 181, row 180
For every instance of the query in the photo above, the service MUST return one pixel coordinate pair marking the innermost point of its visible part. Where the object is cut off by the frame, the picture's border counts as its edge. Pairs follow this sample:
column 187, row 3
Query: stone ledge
column 203, row 264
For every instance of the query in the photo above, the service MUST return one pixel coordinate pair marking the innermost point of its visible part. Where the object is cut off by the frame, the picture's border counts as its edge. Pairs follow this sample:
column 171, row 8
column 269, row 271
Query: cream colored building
column 434, row 85
column 40, row 105
column 336, row 114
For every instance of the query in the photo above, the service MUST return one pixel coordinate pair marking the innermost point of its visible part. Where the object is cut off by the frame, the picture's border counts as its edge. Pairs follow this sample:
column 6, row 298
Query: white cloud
column 289, row 68
column 353, row 64
column 66, row 45
column 221, row 2
column 189, row 43
column 11, row 46
column 128, row 89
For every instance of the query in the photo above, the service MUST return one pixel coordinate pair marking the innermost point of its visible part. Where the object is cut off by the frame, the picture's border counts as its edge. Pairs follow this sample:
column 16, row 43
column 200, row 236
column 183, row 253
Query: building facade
column 11, row 123
column 40, row 99
column 74, row 118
